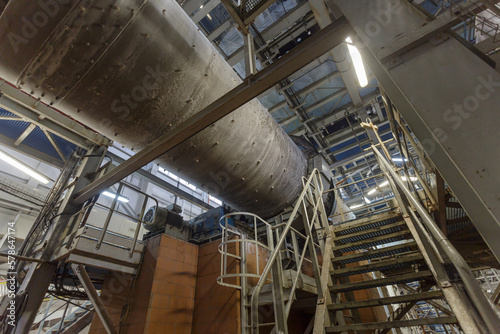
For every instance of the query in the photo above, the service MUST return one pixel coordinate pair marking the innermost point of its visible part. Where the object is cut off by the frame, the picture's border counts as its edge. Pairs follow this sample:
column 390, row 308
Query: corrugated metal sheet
column 13, row 129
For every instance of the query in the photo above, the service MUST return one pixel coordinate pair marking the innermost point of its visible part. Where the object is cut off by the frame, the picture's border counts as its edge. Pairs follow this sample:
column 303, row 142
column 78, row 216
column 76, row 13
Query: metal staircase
column 384, row 244
column 421, row 281
column 74, row 321
column 63, row 317
column 402, row 251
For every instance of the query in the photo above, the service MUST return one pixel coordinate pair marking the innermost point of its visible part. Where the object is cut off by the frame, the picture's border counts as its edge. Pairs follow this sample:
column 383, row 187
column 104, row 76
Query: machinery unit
column 206, row 226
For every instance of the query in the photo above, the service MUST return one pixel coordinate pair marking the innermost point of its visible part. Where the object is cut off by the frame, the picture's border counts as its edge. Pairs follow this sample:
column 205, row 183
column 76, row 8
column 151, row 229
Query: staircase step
column 392, row 324
column 366, row 223
column 393, row 263
column 364, row 244
column 385, row 251
column 386, row 301
column 400, row 279
column 371, row 232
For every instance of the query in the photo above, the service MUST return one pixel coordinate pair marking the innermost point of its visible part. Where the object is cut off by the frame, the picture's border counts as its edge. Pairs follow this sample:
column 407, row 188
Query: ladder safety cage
column 309, row 208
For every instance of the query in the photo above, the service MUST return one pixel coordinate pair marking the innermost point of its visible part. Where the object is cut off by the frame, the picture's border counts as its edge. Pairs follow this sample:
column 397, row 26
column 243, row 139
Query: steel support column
column 447, row 95
column 100, row 309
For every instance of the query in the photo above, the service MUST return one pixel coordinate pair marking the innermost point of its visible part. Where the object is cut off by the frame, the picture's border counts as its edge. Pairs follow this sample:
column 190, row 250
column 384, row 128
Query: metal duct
column 134, row 70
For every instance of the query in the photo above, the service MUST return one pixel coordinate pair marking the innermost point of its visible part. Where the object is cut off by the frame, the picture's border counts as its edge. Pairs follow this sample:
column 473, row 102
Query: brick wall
column 173, row 288
column 217, row 308
column 162, row 299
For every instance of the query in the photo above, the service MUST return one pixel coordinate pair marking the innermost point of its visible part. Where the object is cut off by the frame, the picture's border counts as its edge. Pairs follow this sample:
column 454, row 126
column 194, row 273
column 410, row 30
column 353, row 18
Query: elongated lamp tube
column 359, row 67
column 23, row 167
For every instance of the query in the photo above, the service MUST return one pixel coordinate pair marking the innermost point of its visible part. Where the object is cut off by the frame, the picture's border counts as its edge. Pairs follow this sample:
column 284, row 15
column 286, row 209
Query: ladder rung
column 377, row 266
column 392, row 324
column 399, row 279
column 373, row 253
column 386, row 301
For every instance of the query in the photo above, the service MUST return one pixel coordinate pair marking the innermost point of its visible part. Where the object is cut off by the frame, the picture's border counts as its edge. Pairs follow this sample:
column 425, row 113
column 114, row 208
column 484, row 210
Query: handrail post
column 108, row 218
column 243, row 278
column 138, row 227
column 295, row 245
column 45, row 315
column 62, row 318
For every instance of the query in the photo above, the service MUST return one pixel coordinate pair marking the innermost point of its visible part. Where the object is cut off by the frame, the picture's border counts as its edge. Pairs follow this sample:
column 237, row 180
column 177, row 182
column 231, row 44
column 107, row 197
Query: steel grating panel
column 365, row 227
column 372, row 235
column 368, row 257
column 375, row 285
column 384, row 268
column 375, row 243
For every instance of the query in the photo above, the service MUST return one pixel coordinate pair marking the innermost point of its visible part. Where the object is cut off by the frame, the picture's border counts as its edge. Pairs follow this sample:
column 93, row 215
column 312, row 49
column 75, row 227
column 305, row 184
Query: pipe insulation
column 134, row 70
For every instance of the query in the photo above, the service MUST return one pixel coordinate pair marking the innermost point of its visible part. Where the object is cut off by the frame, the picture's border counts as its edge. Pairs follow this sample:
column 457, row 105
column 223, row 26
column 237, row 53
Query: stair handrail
column 478, row 299
column 306, row 194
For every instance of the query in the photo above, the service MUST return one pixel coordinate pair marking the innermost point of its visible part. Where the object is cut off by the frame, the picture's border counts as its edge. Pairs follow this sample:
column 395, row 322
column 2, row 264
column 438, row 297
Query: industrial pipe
column 134, row 70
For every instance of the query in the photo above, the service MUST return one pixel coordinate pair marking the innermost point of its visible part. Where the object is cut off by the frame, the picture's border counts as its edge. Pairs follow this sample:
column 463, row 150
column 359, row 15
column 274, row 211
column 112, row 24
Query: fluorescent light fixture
column 358, row 63
column 383, row 184
column 23, row 167
column 367, row 201
column 112, row 195
column 372, row 191
column 209, row 17
column 356, row 206
column 412, row 178
column 399, row 159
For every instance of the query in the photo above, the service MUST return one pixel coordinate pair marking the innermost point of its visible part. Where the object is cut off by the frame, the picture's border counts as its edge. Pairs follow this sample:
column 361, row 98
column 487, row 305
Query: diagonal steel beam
column 251, row 87
column 25, row 134
column 99, row 307
column 54, row 144
column 10, row 118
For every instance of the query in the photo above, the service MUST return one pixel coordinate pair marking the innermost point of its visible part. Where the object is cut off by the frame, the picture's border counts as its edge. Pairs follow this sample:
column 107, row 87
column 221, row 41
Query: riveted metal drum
column 134, row 70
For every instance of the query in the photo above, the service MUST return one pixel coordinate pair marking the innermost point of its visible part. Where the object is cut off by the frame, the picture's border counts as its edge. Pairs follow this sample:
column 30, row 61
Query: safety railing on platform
column 281, row 240
column 81, row 217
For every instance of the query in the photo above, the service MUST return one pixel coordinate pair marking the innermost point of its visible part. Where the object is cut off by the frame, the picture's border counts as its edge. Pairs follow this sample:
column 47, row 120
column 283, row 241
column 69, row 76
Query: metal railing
column 231, row 235
column 82, row 215
column 280, row 238
column 442, row 246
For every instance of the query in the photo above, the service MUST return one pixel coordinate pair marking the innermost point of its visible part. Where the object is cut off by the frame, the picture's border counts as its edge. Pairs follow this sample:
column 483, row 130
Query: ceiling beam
column 32, row 110
column 274, row 29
